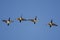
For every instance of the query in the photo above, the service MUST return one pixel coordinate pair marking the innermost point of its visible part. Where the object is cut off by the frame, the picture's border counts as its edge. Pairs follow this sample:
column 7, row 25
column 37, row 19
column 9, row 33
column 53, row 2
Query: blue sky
column 45, row 10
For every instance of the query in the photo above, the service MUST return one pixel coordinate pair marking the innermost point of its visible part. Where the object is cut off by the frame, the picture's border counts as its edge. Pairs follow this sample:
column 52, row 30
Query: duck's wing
column 4, row 21
column 55, row 24
column 35, row 17
column 8, row 24
column 9, row 19
column 51, row 21
column 34, row 22
column 50, row 26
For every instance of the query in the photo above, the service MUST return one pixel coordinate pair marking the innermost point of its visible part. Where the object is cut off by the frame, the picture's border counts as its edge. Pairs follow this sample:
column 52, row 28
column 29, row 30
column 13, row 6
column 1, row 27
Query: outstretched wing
column 55, row 24
column 35, row 17
column 20, row 21
column 51, row 21
column 4, row 21
column 23, row 19
column 8, row 24
column 50, row 26
column 9, row 19
column 34, row 22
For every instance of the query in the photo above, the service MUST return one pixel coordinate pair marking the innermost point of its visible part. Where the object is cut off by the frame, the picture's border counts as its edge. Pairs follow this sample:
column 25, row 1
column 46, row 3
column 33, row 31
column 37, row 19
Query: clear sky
column 45, row 10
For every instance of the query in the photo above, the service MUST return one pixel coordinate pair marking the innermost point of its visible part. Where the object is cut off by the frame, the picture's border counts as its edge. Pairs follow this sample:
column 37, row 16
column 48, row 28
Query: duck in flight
column 33, row 20
column 7, row 21
column 21, row 19
column 52, row 24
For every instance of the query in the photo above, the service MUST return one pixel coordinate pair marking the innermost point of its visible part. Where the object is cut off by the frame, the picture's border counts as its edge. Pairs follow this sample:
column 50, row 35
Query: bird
column 52, row 24
column 7, row 21
column 21, row 19
column 33, row 20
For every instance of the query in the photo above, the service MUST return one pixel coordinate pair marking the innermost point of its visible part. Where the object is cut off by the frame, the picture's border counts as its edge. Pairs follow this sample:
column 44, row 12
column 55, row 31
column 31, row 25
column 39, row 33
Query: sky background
column 45, row 10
